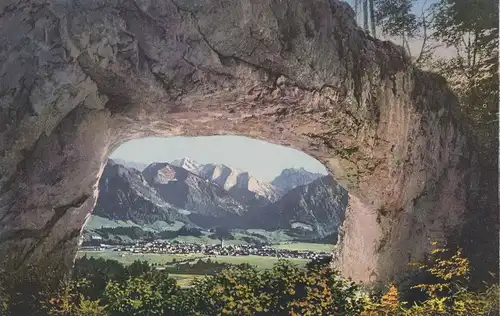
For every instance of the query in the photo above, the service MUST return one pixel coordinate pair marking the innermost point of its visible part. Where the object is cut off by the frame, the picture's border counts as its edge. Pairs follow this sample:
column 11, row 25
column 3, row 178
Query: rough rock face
column 78, row 78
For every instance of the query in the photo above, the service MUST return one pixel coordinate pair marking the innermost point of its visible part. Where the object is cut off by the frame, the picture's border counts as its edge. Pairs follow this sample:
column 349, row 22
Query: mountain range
column 165, row 196
column 239, row 183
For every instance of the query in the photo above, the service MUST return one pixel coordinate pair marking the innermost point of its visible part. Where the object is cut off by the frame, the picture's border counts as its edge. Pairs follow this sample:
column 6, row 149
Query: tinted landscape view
column 183, row 212
column 184, row 158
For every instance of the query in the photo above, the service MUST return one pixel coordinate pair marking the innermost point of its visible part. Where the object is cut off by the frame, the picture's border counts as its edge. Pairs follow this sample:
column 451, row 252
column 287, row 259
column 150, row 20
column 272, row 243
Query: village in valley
column 176, row 248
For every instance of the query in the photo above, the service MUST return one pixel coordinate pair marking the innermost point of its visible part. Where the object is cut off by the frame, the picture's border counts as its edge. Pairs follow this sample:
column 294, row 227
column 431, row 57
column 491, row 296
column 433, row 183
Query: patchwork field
column 305, row 247
column 185, row 279
column 127, row 258
column 260, row 262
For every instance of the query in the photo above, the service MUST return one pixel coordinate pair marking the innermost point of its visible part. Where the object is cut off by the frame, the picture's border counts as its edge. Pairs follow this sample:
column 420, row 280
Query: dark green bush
column 107, row 288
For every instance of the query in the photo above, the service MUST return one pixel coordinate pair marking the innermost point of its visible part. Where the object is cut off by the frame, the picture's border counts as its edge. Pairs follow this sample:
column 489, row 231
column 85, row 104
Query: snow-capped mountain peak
column 237, row 181
column 188, row 164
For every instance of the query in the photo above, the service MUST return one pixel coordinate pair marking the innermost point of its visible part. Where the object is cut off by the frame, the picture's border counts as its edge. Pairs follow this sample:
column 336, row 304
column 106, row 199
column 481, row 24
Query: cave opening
column 224, row 196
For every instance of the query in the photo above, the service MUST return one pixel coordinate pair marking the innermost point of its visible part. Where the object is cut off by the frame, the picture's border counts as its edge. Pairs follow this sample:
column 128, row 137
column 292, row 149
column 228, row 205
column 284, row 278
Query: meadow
column 304, row 246
column 184, row 280
column 259, row 262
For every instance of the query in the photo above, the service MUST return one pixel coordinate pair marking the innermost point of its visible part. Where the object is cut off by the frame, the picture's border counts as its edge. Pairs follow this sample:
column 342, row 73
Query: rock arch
column 78, row 78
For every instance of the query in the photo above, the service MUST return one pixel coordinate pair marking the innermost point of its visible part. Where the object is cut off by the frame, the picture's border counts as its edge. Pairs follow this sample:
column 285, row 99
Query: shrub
column 25, row 289
column 107, row 288
column 447, row 295
column 69, row 301
column 283, row 290
column 153, row 293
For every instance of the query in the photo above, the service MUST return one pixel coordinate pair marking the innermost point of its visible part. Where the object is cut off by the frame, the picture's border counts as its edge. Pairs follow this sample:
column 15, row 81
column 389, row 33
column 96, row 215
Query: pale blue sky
column 417, row 7
column 263, row 160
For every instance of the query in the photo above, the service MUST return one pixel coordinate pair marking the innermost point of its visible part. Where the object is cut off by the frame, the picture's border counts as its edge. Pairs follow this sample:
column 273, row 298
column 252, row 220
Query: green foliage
column 243, row 290
column 136, row 233
column 26, row 289
column 470, row 27
column 98, row 272
column 389, row 304
column 237, row 290
column 222, row 233
column 284, row 290
column 448, row 295
column 231, row 292
column 132, row 232
column 456, row 18
column 137, row 296
column 4, row 302
column 396, row 17
column 138, row 268
column 466, row 31
column 69, row 301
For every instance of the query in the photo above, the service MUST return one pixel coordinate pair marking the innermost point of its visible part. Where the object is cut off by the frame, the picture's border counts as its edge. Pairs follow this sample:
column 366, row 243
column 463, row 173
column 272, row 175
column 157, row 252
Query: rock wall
column 78, row 78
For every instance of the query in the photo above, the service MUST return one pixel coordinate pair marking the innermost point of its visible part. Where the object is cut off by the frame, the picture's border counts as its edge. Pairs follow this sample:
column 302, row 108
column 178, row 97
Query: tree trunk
column 356, row 8
column 365, row 15
column 372, row 18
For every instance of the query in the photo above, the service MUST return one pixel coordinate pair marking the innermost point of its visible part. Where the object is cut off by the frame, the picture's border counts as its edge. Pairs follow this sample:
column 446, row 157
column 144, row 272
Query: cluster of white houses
column 165, row 247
